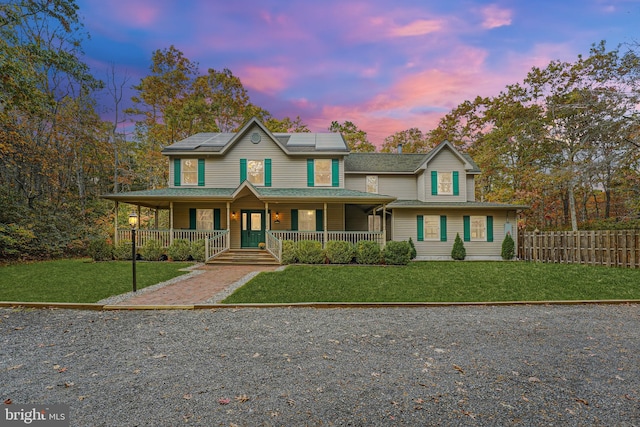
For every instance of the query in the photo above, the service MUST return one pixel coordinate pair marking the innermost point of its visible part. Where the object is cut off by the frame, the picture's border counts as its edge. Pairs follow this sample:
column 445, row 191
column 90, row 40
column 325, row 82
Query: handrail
column 215, row 245
column 274, row 245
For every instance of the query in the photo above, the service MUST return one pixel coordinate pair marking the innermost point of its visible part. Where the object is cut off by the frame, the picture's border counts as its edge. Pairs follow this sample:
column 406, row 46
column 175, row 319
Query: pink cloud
column 418, row 27
column 495, row 17
column 269, row 80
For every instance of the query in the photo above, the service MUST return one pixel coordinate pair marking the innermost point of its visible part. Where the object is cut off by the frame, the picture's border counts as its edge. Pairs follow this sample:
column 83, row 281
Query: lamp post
column 133, row 222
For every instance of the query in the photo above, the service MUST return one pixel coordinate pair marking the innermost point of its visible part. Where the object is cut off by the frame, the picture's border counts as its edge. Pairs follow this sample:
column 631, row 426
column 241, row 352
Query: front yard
column 435, row 281
column 80, row 280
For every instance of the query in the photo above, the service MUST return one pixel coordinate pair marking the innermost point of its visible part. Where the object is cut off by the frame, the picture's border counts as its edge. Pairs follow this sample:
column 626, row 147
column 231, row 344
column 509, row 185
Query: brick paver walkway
column 197, row 289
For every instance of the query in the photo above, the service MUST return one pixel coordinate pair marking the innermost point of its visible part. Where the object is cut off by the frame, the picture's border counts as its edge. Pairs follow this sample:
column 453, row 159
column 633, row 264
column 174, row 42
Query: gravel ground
column 507, row 365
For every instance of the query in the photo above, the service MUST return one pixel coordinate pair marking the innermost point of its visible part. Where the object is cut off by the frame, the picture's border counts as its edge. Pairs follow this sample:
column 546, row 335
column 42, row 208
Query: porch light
column 133, row 222
column 233, row 215
column 277, row 221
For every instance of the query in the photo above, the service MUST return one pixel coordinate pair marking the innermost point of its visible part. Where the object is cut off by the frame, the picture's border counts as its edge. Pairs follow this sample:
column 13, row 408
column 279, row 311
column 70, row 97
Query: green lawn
column 80, row 280
column 441, row 282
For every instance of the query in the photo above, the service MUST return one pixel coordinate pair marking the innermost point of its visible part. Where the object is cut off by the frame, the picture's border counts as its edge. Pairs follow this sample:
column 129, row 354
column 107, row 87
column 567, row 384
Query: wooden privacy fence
column 614, row 248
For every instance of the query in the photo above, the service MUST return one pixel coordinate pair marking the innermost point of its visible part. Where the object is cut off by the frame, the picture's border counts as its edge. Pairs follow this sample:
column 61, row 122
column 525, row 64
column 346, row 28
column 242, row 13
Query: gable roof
column 291, row 143
column 394, row 163
column 383, row 162
column 469, row 164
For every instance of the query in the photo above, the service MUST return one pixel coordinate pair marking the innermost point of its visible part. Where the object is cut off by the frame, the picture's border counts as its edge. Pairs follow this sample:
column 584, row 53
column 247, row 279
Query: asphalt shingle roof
column 383, row 162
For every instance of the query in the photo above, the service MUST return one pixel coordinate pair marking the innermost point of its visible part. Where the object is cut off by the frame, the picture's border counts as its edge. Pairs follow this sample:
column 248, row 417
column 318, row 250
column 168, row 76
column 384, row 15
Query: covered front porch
column 259, row 218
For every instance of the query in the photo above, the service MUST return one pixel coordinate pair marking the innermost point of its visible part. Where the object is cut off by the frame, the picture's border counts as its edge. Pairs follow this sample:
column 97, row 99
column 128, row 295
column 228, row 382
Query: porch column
column 115, row 237
column 266, row 216
column 384, row 224
column 229, row 217
column 170, row 223
column 324, row 225
column 156, row 218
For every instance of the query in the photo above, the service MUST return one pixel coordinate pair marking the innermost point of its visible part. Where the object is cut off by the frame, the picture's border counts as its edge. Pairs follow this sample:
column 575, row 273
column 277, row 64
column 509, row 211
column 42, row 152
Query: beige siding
column 400, row 186
column 471, row 189
column 405, row 227
column 445, row 161
column 421, row 187
column 286, row 171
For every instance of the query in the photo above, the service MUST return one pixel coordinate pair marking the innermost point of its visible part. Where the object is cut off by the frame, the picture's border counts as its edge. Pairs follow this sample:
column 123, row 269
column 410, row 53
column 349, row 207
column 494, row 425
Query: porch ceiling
column 161, row 198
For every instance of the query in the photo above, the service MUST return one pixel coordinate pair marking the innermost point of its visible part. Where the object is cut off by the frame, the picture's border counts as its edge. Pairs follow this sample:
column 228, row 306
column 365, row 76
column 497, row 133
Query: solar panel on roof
column 302, row 139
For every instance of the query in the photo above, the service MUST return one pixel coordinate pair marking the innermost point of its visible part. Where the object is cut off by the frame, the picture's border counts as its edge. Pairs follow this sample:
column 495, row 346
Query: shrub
column 339, row 252
column 458, row 252
column 367, row 252
column 122, row 251
column 289, row 252
column 397, row 253
column 508, row 247
column 197, row 251
column 309, row 252
column 179, row 250
column 100, row 250
column 152, row 250
column 413, row 254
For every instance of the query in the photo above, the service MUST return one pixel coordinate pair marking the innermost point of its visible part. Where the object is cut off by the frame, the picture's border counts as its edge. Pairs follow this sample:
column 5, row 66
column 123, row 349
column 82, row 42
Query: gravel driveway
column 508, row 365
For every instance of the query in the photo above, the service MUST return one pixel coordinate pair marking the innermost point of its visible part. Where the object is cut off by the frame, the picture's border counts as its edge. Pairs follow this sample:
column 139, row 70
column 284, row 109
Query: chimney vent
column 399, row 148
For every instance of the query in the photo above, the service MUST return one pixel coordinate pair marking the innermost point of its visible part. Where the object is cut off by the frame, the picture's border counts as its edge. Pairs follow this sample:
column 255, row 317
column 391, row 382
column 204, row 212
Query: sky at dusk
column 384, row 65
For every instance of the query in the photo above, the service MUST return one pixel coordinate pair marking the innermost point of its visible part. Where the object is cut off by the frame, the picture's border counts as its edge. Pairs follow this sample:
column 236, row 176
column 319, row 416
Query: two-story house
column 254, row 187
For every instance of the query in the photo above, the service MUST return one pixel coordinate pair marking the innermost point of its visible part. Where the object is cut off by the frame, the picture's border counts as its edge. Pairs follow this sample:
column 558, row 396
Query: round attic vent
column 255, row 137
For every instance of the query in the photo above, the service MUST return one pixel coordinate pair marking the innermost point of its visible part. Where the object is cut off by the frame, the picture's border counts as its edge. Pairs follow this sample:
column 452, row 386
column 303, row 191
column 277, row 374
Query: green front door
column 252, row 228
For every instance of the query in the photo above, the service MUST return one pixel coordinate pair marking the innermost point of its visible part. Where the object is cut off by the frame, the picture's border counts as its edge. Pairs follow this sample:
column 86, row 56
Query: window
column 375, row 223
column 204, row 219
column 445, row 183
column 479, row 228
column 431, row 227
column 372, row 184
column 306, row 220
column 189, row 172
column 322, row 172
column 255, row 172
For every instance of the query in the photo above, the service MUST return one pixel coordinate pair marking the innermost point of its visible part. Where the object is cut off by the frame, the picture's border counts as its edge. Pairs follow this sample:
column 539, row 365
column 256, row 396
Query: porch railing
column 348, row 236
column 274, row 245
column 165, row 236
column 216, row 244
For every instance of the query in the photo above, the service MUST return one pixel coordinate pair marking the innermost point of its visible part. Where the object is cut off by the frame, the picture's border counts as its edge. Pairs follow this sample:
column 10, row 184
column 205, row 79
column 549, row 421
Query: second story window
column 189, row 172
column 372, row 184
column 445, row 183
column 322, row 172
column 255, row 172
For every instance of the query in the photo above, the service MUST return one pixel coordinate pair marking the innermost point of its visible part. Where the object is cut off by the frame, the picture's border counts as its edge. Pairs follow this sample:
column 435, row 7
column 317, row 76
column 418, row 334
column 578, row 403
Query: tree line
column 564, row 141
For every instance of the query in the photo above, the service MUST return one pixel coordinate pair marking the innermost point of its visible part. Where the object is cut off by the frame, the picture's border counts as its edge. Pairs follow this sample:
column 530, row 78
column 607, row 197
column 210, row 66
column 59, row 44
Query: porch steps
column 244, row 257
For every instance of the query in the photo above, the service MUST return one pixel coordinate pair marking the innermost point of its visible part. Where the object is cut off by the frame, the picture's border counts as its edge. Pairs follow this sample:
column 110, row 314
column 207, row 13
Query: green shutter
column 216, row 219
column 294, row 219
column 434, row 183
column 176, row 172
column 420, row 228
column 267, row 172
column 192, row 219
column 243, row 170
column 335, row 173
column 456, row 184
column 319, row 221
column 310, row 173
column 467, row 228
column 489, row 229
column 200, row 172
column 443, row 228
